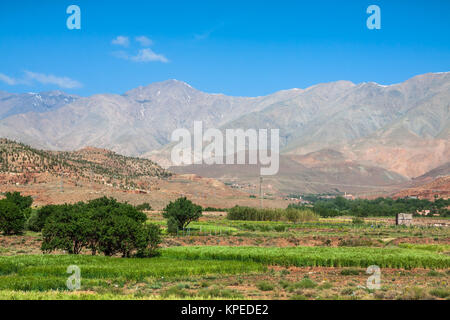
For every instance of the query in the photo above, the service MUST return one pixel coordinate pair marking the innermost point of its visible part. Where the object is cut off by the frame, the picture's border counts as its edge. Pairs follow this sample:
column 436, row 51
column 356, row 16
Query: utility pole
column 260, row 191
column 61, row 183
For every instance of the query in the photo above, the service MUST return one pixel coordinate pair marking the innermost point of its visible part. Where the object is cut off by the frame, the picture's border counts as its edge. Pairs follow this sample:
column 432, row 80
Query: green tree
column 37, row 219
column 23, row 202
column 67, row 229
column 182, row 212
column 12, row 219
column 148, row 243
column 119, row 234
column 101, row 225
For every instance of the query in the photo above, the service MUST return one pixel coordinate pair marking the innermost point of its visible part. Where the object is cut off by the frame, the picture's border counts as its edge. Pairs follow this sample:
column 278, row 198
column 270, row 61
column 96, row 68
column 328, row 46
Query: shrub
column 12, row 219
column 434, row 273
column 265, row 286
column 325, row 286
column 181, row 212
column 144, row 207
column 306, row 283
column 219, row 293
column 175, row 291
column 350, row 272
column 440, row 292
column 212, row 209
column 347, row 291
column 414, row 293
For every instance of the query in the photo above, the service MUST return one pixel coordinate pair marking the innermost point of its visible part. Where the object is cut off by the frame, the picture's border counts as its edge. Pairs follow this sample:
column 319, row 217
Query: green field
column 219, row 258
column 319, row 256
column 44, row 276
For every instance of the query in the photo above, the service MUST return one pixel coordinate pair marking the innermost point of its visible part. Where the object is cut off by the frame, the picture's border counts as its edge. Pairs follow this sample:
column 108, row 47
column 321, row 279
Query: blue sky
column 241, row 48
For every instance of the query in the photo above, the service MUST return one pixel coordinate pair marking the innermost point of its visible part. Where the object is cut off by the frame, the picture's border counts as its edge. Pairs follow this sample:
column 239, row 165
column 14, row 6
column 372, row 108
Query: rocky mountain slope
column 21, row 164
column 132, row 124
column 401, row 129
column 12, row 103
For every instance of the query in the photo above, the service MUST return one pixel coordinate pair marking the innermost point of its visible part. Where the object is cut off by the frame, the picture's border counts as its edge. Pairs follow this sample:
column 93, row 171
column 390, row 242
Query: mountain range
column 400, row 131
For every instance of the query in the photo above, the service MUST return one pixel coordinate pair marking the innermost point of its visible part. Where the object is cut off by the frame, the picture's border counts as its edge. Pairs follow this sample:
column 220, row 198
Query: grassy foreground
column 188, row 272
column 48, row 272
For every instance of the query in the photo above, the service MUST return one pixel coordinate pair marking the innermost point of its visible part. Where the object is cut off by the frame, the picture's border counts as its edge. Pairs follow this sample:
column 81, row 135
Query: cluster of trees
column 256, row 214
column 377, row 207
column 15, row 209
column 101, row 225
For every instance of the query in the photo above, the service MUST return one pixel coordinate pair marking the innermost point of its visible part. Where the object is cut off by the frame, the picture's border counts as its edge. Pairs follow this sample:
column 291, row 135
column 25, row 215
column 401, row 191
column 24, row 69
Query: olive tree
column 180, row 213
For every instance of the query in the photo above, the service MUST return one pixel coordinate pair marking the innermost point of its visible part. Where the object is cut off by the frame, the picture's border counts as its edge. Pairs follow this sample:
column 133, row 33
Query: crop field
column 217, row 258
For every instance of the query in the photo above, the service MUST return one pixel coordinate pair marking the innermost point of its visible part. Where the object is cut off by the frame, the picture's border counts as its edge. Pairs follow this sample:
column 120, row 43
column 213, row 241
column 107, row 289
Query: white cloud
column 30, row 77
column 147, row 55
column 62, row 82
column 144, row 41
column 8, row 80
column 144, row 55
column 121, row 41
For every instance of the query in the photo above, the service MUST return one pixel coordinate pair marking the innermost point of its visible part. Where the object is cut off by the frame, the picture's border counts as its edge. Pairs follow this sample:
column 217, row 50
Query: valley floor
column 222, row 259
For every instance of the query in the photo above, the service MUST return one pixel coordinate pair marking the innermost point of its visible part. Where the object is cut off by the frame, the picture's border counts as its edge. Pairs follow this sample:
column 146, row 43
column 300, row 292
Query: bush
column 144, row 207
column 12, row 219
column 265, row 286
column 350, row 272
column 440, row 292
column 306, row 283
column 180, row 213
